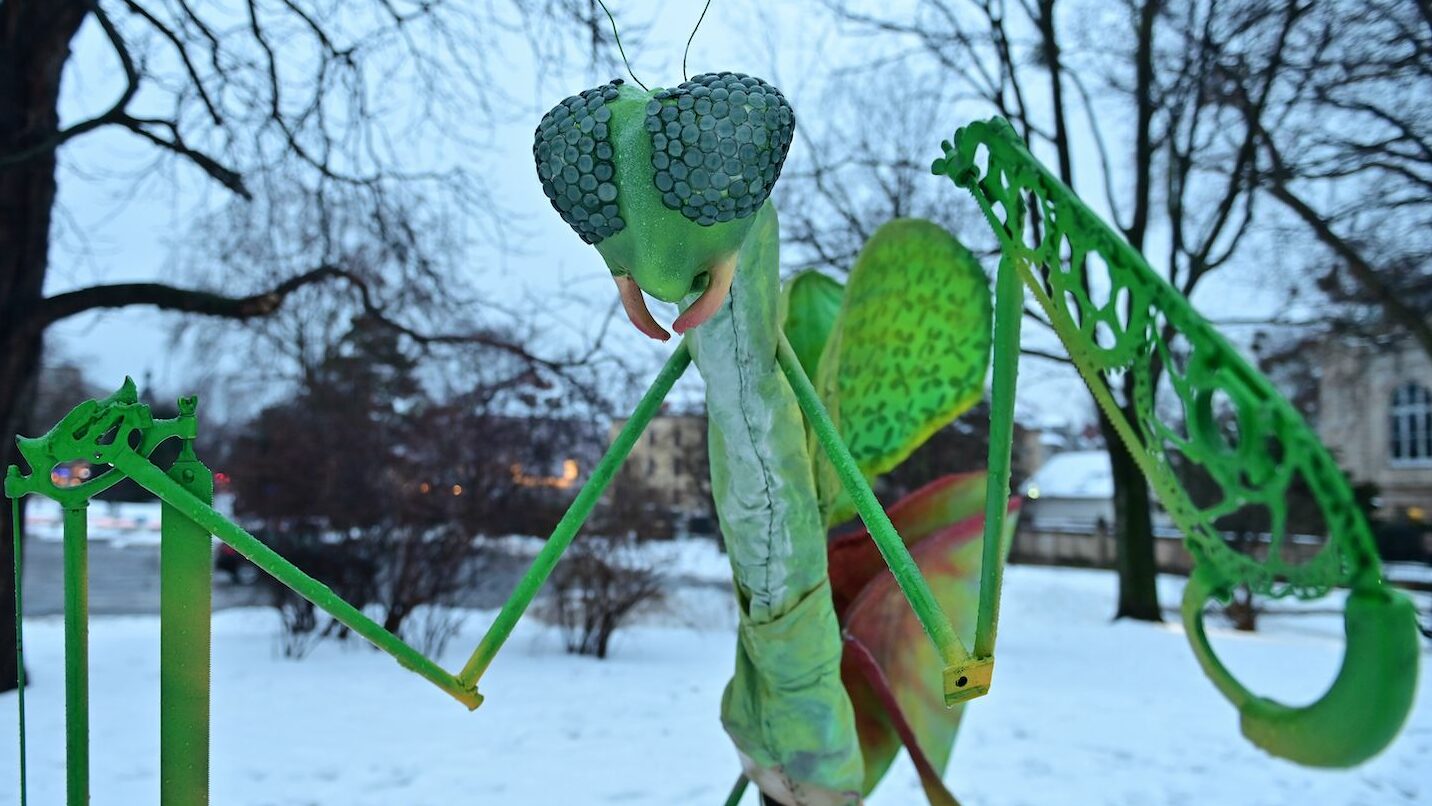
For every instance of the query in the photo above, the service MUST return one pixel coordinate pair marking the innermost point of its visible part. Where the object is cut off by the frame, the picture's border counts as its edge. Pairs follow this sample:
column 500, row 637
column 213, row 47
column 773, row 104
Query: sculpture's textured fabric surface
column 785, row 708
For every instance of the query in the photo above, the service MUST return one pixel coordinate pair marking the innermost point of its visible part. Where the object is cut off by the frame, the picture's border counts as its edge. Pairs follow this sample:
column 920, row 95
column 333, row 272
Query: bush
column 407, row 578
column 339, row 564
column 596, row 589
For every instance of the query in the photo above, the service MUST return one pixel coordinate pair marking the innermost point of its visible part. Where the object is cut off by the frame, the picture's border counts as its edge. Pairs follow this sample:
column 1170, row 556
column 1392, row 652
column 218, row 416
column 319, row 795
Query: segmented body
column 786, row 706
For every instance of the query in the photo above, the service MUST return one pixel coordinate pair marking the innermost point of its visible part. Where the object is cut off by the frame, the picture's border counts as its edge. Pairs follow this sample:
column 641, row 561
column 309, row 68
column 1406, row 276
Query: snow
column 1409, row 574
column 119, row 522
column 1073, row 474
column 1083, row 710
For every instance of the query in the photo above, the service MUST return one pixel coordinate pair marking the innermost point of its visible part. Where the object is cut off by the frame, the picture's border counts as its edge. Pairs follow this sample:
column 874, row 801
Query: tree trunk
column 34, row 46
column 1133, row 531
column 1133, row 520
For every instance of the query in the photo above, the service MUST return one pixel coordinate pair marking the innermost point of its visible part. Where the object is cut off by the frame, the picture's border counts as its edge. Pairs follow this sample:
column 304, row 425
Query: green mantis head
column 666, row 183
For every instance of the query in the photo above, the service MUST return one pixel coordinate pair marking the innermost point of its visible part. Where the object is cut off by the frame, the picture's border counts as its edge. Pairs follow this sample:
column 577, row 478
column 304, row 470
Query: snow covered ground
column 1084, row 711
column 121, row 523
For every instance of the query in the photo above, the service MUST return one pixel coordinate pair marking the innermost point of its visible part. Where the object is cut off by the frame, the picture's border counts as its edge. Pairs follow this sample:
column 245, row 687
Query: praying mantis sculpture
column 839, row 664
column 672, row 187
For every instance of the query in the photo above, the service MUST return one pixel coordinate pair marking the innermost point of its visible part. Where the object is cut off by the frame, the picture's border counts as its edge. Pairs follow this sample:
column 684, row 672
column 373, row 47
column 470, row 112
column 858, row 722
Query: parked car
column 237, row 566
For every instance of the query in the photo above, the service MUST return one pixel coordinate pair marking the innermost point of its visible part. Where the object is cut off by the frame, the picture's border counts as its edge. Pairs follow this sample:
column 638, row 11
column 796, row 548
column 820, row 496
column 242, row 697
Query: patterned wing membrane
column 573, row 150
column 718, row 143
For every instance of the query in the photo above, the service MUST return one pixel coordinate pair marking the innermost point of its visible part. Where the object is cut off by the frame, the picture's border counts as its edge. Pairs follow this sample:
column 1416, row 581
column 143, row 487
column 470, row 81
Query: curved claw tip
column 711, row 299
column 634, row 303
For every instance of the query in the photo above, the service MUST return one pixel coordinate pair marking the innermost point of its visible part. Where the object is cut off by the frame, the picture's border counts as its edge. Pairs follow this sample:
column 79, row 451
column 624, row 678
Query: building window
column 1412, row 424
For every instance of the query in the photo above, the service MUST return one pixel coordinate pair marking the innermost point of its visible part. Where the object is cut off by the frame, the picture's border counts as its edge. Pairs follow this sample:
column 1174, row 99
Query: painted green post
column 1009, row 312
column 566, row 530
column 18, row 532
column 185, row 604
column 76, row 550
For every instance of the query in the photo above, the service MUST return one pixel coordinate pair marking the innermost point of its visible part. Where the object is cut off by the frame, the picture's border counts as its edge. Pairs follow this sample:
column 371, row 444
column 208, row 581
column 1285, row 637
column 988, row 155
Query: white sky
column 115, row 226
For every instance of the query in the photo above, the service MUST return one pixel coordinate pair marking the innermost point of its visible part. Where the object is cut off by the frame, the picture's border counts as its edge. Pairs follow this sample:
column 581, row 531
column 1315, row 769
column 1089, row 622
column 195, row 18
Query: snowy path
column 1083, row 712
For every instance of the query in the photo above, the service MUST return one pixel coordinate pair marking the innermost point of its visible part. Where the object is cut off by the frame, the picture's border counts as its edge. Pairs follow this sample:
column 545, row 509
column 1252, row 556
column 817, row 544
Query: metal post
column 186, row 574
column 18, row 532
column 76, row 550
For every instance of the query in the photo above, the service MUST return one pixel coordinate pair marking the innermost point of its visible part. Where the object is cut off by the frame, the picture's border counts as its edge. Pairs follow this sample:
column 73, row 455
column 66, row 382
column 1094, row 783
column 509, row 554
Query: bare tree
column 1086, row 78
column 1345, row 147
column 375, row 486
column 322, row 121
column 850, row 177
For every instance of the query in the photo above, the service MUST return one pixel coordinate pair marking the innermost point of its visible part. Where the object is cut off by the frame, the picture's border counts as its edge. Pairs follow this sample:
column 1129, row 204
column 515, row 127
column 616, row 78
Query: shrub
column 596, row 589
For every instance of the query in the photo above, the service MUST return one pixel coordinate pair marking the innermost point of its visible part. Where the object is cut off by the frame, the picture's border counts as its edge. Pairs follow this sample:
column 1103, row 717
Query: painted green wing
column 908, row 351
column 854, row 558
column 810, row 303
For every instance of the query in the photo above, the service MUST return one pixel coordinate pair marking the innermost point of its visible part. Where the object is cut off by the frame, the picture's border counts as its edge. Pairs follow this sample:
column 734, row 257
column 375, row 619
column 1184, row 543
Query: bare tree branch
column 206, row 303
column 113, row 115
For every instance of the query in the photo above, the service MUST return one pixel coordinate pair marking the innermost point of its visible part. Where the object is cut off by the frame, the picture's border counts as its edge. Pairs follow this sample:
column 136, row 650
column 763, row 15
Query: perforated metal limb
column 1143, row 326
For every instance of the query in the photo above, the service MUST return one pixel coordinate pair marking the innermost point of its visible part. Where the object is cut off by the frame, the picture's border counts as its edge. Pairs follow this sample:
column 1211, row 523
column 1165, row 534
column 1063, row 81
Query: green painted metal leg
column 185, row 604
column 566, row 530
column 463, row 689
column 738, row 791
column 958, row 686
column 1009, row 312
column 173, row 493
column 76, row 656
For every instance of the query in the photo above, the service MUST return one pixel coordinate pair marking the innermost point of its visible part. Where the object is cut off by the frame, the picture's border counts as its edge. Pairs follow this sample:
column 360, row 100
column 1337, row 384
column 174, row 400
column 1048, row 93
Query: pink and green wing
column 890, row 668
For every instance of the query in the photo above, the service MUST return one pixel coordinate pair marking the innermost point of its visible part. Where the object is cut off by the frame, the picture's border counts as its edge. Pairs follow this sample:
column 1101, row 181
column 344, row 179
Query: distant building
column 668, row 470
column 1375, row 413
column 1071, row 489
column 1068, row 516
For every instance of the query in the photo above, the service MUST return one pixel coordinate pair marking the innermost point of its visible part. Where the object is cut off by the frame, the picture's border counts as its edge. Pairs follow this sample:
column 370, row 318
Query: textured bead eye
column 718, row 144
column 573, row 150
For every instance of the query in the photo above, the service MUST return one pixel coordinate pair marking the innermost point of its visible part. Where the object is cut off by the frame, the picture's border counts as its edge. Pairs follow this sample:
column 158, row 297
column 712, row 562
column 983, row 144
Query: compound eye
column 718, row 144
column 574, row 154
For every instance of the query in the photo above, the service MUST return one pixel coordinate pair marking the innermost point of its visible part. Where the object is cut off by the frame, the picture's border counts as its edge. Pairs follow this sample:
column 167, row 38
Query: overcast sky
column 119, row 225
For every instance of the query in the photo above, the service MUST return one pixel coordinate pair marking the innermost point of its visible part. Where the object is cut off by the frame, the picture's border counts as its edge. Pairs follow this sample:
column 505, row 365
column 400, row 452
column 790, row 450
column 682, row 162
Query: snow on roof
column 1073, row 474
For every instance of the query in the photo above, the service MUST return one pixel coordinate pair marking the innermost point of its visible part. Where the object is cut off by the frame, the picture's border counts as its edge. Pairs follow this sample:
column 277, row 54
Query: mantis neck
column 761, row 471
column 788, row 660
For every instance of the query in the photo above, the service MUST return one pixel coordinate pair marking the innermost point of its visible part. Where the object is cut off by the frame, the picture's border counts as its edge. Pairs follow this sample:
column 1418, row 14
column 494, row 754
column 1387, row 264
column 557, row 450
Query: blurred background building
column 1375, row 413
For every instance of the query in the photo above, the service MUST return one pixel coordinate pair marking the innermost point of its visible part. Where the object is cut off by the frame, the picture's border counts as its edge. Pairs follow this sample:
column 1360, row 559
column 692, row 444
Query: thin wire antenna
column 620, row 49
column 692, row 38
